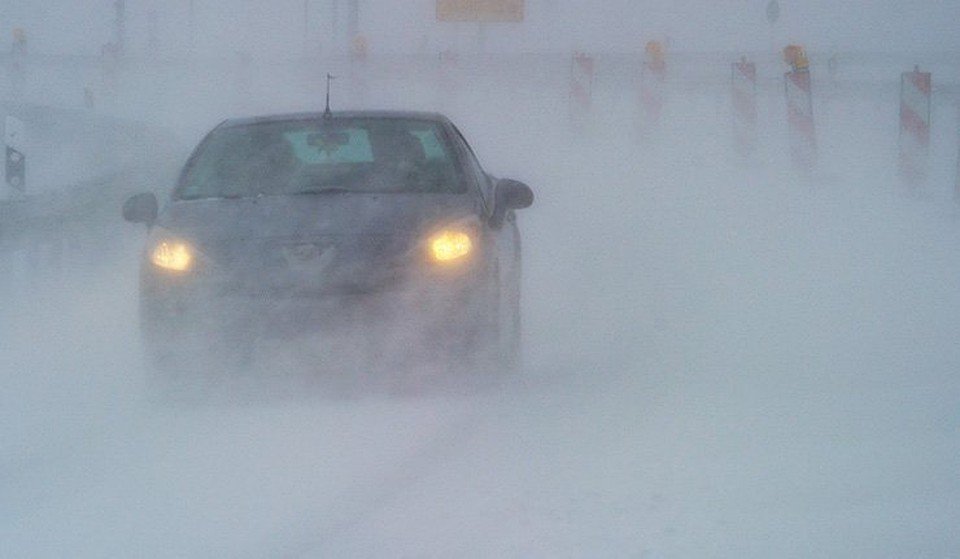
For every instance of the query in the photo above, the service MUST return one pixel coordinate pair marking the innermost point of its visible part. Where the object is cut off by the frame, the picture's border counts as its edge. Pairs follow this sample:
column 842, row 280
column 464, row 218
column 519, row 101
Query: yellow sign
column 480, row 10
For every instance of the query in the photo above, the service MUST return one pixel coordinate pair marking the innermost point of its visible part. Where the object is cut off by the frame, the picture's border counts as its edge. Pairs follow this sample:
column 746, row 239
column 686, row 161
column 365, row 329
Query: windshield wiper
column 325, row 190
column 211, row 197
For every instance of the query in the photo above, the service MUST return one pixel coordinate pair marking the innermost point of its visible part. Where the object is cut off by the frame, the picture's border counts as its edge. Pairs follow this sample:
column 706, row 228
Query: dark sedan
column 382, row 225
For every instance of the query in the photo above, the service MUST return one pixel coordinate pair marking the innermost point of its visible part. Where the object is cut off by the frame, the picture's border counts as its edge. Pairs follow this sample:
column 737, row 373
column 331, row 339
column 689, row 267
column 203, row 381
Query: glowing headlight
column 176, row 256
column 450, row 244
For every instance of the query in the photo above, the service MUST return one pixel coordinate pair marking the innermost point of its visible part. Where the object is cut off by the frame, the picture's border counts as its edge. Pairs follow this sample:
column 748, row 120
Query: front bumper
column 179, row 310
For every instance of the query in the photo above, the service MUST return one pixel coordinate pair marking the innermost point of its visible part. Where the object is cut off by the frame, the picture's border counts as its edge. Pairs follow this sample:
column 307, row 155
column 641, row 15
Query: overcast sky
column 278, row 26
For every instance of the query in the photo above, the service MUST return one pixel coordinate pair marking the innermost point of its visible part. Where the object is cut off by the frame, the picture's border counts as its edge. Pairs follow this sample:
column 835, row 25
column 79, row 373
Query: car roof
column 313, row 116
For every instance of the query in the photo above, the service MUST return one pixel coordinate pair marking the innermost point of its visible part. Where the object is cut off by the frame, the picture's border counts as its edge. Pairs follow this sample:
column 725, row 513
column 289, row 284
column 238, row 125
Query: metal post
column 306, row 27
column 120, row 22
column 334, row 17
column 16, row 163
column 353, row 19
column 744, row 94
column 152, row 40
column 193, row 27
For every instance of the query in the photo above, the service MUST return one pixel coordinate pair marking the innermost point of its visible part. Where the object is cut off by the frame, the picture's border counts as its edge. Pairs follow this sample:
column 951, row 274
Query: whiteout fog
column 724, row 357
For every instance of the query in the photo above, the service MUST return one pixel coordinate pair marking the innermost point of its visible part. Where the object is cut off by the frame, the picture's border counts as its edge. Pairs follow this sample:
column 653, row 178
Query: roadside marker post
column 914, row 139
column 653, row 80
column 448, row 61
column 800, row 121
column 15, row 174
column 359, row 71
column 743, row 90
column 18, row 64
column 582, row 72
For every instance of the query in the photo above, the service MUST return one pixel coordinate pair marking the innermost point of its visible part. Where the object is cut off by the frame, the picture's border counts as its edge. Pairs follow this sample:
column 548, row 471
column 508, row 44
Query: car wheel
column 509, row 330
column 180, row 370
column 502, row 343
column 174, row 378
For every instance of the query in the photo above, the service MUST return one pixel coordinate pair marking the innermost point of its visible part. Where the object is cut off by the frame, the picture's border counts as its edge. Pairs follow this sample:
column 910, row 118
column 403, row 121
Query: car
column 381, row 227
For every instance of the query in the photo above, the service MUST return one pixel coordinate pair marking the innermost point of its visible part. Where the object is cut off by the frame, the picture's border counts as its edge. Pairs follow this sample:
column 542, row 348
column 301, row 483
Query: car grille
column 308, row 266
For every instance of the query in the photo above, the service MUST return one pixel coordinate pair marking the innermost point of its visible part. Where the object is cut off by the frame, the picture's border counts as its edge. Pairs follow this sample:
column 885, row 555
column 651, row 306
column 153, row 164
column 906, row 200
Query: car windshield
column 323, row 156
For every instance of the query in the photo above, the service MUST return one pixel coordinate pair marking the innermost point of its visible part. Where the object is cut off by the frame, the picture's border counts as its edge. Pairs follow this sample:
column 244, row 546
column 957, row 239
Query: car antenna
column 327, row 113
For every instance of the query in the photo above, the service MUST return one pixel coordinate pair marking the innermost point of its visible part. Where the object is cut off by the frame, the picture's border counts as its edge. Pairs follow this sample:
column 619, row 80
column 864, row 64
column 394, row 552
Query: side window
column 479, row 178
column 432, row 147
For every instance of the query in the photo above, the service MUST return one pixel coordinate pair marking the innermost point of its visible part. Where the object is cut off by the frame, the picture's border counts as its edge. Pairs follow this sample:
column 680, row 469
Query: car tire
column 174, row 378
column 510, row 332
column 501, row 342
column 181, row 371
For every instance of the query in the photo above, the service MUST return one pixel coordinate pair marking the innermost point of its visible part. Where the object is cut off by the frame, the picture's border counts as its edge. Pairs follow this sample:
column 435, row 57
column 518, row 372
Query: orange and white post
column 799, row 96
column 743, row 91
column 581, row 86
column 915, row 88
column 359, row 50
column 653, row 80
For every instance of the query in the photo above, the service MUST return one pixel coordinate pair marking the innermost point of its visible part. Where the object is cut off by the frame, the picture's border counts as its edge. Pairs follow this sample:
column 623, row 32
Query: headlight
column 176, row 256
column 448, row 245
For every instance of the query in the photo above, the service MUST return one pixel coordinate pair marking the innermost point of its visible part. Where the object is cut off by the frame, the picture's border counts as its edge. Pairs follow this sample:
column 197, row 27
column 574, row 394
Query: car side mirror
column 509, row 195
column 141, row 208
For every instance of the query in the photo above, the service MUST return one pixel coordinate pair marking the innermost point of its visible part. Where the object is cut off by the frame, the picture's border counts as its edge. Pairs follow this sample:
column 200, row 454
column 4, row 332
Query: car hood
column 310, row 243
column 308, row 216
